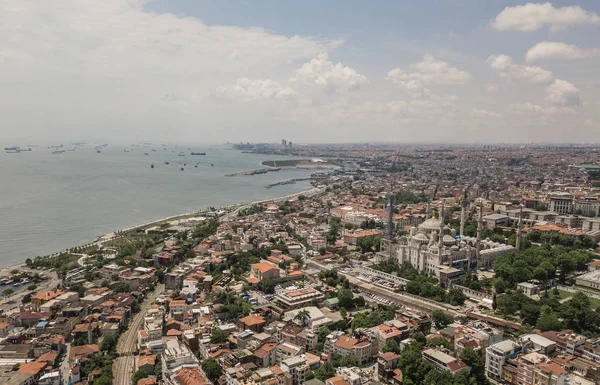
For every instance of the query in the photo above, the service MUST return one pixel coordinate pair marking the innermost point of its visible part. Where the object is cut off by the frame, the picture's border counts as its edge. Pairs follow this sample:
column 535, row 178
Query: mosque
column 436, row 250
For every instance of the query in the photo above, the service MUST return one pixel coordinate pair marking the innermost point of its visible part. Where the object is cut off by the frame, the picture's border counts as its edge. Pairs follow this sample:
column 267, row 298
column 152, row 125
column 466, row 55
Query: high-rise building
column 283, row 143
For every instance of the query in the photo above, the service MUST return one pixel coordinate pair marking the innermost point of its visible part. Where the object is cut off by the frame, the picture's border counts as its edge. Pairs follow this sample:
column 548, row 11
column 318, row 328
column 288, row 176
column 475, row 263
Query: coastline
column 5, row 270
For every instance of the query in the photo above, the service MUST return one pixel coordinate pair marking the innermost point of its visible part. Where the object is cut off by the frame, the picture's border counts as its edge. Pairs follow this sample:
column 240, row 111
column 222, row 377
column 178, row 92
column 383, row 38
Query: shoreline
column 5, row 270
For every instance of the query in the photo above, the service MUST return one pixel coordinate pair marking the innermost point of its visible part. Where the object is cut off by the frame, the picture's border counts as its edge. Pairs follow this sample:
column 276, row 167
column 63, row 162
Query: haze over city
column 212, row 71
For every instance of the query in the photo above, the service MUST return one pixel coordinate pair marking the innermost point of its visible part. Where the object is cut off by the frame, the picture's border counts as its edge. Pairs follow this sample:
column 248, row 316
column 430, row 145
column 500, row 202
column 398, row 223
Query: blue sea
column 50, row 202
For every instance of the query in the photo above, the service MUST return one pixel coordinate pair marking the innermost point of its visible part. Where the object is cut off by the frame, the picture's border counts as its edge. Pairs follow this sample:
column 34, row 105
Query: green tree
column 566, row 264
column 391, row 345
column 474, row 360
column 218, row 336
column 441, row 319
column 325, row 371
column 138, row 375
column 109, row 343
column 548, row 320
column 8, row 292
column 345, row 298
column 456, row 297
column 212, row 369
column 348, row 361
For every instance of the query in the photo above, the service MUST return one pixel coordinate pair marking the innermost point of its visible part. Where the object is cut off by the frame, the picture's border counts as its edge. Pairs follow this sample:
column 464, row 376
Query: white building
column 52, row 378
column 496, row 355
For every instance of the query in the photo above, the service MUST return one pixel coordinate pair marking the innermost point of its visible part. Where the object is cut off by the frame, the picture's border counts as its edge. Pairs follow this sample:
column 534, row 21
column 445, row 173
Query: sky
column 210, row 71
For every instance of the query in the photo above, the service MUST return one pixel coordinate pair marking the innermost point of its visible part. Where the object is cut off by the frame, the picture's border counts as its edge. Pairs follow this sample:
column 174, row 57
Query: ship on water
column 197, row 153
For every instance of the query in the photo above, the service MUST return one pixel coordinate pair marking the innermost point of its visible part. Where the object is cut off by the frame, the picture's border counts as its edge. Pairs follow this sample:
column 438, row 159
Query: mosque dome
column 449, row 240
column 420, row 237
column 430, row 225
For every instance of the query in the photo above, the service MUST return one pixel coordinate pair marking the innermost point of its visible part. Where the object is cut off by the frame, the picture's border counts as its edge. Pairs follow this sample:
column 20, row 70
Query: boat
column 24, row 149
column 12, row 151
column 98, row 151
column 13, row 148
column 181, row 154
column 196, row 166
column 212, row 165
column 166, row 162
column 182, row 169
column 125, row 150
column 197, row 153
column 55, row 152
column 145, row 153
column 152, row 165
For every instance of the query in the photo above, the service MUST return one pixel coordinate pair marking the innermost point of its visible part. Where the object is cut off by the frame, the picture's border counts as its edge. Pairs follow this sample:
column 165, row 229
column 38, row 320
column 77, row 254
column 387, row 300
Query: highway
column 124, row 365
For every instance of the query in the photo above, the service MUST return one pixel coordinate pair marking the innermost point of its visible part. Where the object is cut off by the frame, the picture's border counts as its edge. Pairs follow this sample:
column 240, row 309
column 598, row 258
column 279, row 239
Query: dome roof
column 430, row 224
column 449, row 239
column 420, row 237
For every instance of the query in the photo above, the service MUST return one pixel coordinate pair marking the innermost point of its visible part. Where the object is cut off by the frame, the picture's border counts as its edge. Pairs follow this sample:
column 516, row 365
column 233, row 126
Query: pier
column 255, row 172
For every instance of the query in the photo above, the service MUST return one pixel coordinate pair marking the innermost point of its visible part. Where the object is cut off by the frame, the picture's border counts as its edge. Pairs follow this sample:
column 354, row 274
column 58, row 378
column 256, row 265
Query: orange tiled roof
column 33, row 368
column 263, row 267
column 346, row 342
column 252, row 320
column 190, row 376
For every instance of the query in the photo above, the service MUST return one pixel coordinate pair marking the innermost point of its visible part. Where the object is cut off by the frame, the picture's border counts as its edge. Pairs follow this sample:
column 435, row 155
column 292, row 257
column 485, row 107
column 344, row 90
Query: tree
column 474, row 360
column 566, row 264
column 548, row 320
column 16, row 367
column 218, row 336
column 441, row 319
column 212, row 369
column 109, row 343
column 7, row 292
column 345, row 298
column 138, row 375
column 494, row 302
column 456, row 297
column 325, row 371
column 302, row 316
column 348, row 361
column 26, row 298
column 391, row 345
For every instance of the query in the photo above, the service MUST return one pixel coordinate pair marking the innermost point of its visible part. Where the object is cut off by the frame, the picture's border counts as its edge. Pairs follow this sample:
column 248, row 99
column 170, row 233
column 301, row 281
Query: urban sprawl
column 402, row 265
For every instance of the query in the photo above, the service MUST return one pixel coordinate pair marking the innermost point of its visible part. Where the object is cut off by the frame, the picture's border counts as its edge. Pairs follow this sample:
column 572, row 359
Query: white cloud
column 517, row 72
column 428, row 71
column 557, row 50
column 247, row 90
column 322, row 73
column 537, row 110
column 589, row 122
column 481, row 113
column 563, row 94
column 532, row 16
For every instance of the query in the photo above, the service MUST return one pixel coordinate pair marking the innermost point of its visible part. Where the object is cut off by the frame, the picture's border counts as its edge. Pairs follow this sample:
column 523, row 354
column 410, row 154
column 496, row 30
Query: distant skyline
column 176, row 71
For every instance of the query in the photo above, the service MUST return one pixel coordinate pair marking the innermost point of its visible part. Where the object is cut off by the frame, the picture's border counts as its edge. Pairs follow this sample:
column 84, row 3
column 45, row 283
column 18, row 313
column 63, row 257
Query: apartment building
column 496, row 356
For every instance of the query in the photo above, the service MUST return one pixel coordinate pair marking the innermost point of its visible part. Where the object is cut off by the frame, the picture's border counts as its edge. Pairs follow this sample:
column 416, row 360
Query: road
column 65, row 368
column 124, row 366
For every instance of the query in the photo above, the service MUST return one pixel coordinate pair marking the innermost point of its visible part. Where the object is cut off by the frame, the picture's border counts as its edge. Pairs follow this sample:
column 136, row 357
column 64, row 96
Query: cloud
column 532, row 16
column 563, row 94
column 247, row 90
column 323, row 74
column 428, row 71
column 532, row 109
column 557, row 50
column 517, row 72
column 481, row 113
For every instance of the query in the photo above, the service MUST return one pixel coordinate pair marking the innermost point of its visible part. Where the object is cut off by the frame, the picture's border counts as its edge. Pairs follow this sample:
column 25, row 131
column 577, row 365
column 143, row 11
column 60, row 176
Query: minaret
column 90, row 337
column 390, row 224
column 462, row 220
column 428, row 212
column 519, row 229
column 443, row 212
column 479, row 231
